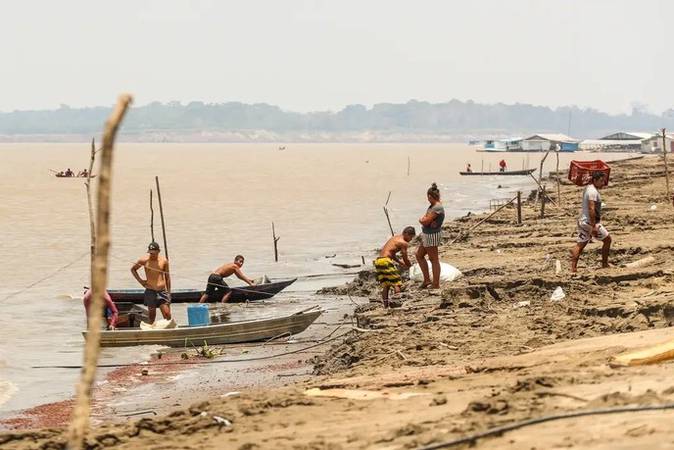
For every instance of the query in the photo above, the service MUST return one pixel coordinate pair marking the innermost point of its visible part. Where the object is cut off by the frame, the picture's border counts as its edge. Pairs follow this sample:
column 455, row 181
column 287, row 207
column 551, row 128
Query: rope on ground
column 35, row 283
column 537, row 420
column 218, row 361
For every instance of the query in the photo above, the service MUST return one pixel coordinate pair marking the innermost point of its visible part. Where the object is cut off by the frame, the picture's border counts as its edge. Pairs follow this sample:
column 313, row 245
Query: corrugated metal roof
column 555, row 137
column 659, row 136
column 636, row 135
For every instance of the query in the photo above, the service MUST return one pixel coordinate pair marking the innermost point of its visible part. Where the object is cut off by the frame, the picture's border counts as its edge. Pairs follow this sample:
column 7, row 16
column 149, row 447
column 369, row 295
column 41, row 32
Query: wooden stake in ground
column 276, row 239
column 92, row 226
column 664, row 156
column 540, row 188
column 151, row 217
column 543, row 202
column 559, row 183
column 388, row 219
column 79, row 424
column 519, row 207
column 540, row 171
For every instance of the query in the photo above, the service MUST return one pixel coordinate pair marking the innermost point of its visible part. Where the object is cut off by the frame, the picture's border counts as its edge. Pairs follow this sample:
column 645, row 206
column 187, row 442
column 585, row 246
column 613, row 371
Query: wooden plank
column 651, row 355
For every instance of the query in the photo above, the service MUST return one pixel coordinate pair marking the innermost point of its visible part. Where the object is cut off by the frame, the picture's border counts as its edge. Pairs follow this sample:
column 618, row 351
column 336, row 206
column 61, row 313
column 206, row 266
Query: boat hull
column 226, row 333
column 239, row 294
column 506, row 173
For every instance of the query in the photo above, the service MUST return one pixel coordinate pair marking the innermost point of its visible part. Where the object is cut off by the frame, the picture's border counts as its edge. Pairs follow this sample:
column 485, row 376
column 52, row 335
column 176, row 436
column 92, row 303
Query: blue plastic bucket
column 197, row 315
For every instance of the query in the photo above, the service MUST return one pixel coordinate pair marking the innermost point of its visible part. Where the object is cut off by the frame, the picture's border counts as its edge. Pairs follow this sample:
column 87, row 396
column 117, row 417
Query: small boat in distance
column 239, row 294
column 62, row 175
column 222, row 333
column 507, row 172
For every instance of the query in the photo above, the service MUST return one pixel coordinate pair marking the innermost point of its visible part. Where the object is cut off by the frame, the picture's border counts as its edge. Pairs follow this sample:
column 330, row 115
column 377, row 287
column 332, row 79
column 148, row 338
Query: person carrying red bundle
column 589, row 223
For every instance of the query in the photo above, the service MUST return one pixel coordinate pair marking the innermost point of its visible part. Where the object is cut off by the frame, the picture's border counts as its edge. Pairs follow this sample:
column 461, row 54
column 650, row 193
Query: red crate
column 580, row 172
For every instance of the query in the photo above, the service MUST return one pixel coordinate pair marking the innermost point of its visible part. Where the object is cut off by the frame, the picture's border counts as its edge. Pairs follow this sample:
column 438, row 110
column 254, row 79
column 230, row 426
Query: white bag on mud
column 558, row 294
column 447, row 272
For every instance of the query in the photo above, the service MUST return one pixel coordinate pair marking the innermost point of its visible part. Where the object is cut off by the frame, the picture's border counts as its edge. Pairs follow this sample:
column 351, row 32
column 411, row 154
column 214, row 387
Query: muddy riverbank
column 486, row 350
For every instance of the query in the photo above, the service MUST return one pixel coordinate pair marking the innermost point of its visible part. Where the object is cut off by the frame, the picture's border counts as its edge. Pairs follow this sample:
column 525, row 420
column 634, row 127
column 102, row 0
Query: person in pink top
column 111, row 312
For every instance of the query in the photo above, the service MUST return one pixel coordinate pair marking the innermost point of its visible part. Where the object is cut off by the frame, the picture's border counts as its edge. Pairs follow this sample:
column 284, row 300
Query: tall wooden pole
column 388, row 219
column 276, row 239
column 161, row 215
column 151, row 217
column 79, row 424
column 92, row 226
column 664, row 155
column 559, row 187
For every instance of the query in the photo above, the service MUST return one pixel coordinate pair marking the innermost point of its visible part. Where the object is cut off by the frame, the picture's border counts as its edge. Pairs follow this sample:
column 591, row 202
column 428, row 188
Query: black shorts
column 216, row 288
column 154, row 299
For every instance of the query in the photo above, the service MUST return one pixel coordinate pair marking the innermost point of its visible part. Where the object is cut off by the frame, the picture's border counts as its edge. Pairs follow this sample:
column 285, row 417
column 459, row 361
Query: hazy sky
column 325, row 54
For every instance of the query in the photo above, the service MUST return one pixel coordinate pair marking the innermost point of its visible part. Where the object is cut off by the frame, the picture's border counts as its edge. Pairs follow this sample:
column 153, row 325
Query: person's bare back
column 397, row 244
column 226, row 269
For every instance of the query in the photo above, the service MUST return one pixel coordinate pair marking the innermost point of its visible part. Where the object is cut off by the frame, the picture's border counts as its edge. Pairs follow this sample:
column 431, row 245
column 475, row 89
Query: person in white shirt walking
column 589, row 223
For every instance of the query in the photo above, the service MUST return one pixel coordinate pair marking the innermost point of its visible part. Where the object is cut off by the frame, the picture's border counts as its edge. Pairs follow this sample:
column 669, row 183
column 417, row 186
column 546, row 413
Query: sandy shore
column 475, row 354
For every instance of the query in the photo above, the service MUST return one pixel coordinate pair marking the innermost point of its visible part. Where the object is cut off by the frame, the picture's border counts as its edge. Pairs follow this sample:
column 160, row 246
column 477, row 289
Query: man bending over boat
column 216, row 288
column 387, row 272
column 157, row 282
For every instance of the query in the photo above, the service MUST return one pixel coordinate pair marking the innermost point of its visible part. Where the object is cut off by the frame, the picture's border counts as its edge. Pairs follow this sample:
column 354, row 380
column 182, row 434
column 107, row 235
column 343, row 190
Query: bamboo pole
column 664, row 155
column 276, row 239
column 151, row 217
column 161, row 215
column 79, row 424
column 90, row 202
column 509, row 202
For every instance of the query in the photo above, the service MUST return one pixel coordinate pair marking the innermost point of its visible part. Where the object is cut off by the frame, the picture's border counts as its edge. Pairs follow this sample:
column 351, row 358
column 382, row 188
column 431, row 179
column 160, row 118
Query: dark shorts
column 154, row 299
column 216, row 288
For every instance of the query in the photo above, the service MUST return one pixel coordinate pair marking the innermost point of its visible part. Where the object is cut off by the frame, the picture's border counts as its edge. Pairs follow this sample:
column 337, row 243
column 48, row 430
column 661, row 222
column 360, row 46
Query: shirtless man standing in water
column 157, row 282
column 216, row 288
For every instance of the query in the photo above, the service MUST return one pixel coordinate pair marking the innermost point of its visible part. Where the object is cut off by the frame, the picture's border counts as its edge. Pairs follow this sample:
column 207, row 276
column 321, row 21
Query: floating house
column 502, row 145
column 622, row 141
column 549, row 141
column 654, row 143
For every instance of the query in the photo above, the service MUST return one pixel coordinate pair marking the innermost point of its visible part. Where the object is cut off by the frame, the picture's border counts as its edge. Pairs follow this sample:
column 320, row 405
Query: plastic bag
column 447, row 272
column 558, row 294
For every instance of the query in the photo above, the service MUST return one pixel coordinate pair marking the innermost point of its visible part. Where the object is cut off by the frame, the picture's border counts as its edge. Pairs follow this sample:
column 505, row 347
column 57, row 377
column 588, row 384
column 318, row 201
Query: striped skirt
column 431, row 239
column 387, row 272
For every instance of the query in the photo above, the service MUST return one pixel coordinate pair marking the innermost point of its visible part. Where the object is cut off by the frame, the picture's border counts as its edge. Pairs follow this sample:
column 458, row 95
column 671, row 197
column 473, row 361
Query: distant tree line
column 453, row 117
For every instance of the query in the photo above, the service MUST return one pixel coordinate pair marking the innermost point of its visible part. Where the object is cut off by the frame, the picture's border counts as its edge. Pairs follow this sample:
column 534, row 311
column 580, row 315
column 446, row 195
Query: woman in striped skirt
column 431, row 236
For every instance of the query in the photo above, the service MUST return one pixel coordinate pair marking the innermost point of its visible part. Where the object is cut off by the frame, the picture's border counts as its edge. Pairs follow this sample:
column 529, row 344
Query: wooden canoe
column 239, row 294
column 223, row 333
column 73, row 176
column 507, row 172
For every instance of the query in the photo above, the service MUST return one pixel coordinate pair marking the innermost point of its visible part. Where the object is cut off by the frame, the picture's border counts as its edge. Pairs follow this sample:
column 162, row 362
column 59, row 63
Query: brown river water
column 219, row 200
